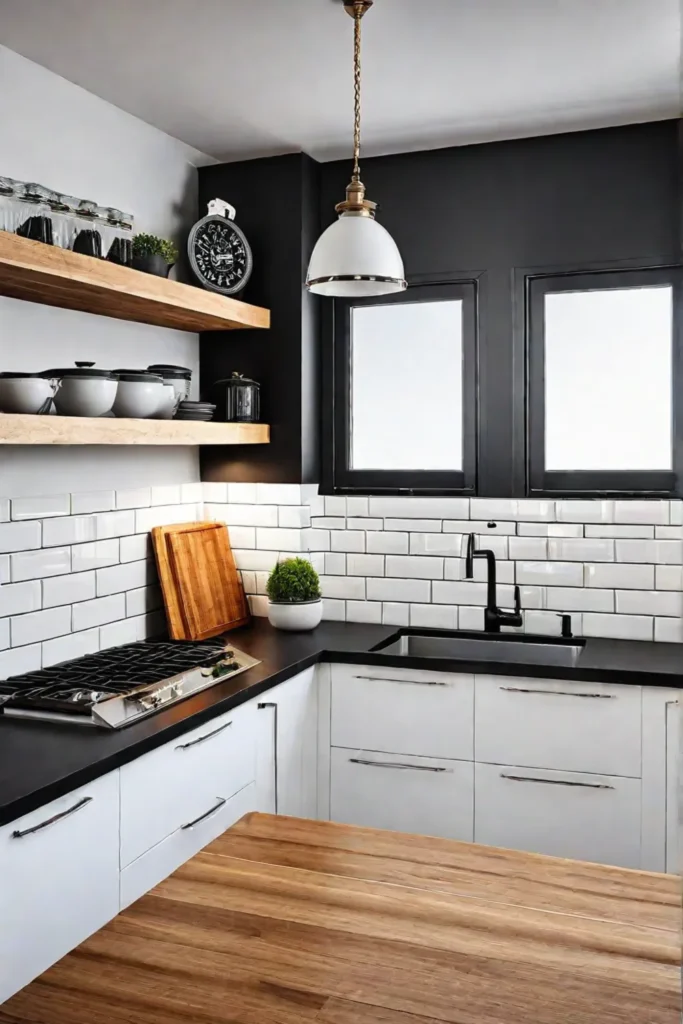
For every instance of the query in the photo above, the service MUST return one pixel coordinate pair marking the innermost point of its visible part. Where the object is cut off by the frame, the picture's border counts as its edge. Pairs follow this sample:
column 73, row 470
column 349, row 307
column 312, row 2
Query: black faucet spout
column 494, row 617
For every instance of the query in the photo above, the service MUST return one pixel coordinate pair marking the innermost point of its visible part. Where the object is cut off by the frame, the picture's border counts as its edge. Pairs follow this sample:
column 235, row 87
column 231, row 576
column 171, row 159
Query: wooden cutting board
column 203, row 593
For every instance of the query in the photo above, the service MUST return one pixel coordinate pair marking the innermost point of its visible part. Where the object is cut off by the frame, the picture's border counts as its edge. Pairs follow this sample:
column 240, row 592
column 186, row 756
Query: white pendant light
column 356, row 257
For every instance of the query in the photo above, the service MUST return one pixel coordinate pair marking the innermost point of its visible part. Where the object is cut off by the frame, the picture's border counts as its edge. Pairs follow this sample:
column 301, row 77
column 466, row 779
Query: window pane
column 406, row 386
column 608, row 379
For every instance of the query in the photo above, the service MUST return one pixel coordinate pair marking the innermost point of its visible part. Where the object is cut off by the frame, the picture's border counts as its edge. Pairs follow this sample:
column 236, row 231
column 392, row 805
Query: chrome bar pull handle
column 555, row 782
column 201, row 739
column 203, row 817
column 20, row 833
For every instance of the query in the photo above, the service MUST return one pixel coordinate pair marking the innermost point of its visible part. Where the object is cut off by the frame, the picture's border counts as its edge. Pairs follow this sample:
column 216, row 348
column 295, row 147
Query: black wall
column 570, row 201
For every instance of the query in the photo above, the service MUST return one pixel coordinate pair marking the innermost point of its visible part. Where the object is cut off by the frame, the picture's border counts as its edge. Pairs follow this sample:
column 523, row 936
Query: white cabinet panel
column 564, row 814
column 673, row 786
column 403, row 793
column 408, row 710
column 163, row 859
column 288, row 746
column 165, row 789
column 59, row 879
column 577, row 727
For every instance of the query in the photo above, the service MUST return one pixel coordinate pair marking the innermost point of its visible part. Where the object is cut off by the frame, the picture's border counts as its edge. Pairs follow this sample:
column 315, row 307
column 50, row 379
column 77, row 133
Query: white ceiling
column 241, row 78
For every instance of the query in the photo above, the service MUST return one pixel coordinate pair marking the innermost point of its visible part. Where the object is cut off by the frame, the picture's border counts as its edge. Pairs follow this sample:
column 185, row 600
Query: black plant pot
column 154, row 264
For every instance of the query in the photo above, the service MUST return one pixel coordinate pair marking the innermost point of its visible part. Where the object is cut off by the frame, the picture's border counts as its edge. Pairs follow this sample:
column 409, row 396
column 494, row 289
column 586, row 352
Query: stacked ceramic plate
column 199, row 411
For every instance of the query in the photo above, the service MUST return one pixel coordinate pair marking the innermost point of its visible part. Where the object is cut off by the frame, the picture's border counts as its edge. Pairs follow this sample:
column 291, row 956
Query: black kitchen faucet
column 494, row 617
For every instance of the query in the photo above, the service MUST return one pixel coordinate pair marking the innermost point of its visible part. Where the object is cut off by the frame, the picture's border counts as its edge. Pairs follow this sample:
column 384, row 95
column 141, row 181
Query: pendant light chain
column 358, row 14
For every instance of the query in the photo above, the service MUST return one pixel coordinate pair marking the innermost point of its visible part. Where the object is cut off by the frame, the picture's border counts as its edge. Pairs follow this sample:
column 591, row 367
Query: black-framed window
column 604, row 383
column 404, row 392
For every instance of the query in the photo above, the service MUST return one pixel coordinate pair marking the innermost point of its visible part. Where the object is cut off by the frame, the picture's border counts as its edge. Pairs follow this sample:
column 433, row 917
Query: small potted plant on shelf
column 153, row 255
column 293, row 589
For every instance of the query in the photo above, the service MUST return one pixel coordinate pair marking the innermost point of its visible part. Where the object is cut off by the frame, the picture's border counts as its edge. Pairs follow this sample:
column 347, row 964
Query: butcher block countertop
column 283, row 920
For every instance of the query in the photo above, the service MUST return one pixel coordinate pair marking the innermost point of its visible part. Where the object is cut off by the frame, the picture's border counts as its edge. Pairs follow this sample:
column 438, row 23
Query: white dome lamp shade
column 356, row 257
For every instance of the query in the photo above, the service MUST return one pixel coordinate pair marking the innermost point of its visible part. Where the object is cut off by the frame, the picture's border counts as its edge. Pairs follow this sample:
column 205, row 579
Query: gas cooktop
column 122, row 685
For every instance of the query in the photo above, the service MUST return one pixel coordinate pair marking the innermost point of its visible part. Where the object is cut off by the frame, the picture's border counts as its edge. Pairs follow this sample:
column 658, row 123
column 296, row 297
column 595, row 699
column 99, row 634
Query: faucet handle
column 518, row 600
column 566, row 625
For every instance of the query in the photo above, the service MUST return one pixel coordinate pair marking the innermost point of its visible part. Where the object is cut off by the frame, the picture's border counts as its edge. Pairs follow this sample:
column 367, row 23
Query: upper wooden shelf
column 20, row 429
column 58, row 277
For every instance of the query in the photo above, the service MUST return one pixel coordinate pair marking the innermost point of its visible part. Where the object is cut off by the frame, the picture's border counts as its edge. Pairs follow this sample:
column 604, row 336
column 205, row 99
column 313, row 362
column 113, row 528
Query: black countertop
column 40, row 761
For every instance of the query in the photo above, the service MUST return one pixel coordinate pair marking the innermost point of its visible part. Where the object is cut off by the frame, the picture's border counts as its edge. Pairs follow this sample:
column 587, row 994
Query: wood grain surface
column 58, row 277
column 203, row 594
column 282, row 921
column 17, row 428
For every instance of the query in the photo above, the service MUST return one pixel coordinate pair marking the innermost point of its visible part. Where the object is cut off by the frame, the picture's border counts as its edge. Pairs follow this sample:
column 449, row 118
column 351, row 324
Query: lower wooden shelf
column 21, row 429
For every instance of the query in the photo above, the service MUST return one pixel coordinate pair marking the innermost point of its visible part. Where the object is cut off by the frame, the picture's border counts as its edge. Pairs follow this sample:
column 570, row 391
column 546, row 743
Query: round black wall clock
column 220, row 255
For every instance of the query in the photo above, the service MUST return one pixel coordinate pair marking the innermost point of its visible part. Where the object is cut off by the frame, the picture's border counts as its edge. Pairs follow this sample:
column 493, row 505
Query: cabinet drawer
column 565, row 814
column 163, row 859
column 59, row 880
column 577, row 727
column 165, row 789
column 407, row 710
column 424, row 795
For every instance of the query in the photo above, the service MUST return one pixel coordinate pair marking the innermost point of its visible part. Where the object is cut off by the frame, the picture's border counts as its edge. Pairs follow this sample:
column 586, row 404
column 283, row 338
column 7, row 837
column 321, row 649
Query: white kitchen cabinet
column 173, row 785
column 289, row 751
column 661, row 782
column 673, row 786
column 564, row 814
column 412, row 711
column 401, row 792
column 546, row 723
column 59, row 879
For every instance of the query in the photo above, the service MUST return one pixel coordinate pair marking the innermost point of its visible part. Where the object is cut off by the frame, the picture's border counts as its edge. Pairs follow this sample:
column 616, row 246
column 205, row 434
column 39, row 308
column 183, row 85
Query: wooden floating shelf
column 21, row 429
column 58, row 277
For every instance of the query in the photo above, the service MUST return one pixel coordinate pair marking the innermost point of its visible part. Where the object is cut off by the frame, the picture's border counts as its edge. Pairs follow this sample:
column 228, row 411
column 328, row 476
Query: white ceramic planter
column 296, row 617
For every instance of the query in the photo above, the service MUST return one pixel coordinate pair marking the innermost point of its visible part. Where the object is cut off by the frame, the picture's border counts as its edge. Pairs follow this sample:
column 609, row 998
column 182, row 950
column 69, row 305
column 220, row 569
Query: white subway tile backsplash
column 318, row 540
column 4, row 568
column 620, row 627
column 461, row 592
column 4, row 510
column 297, row 517
column 665, row 552
column 669, row 630
column 511, row 509
column 547, row 623
column 454, row 569
column 335, row 563
column 237, row 494
column 334, row 610
column 69, row 530
column 248, row 581
column 144, row 519
column 328, row 523
column 470, row 618
column 99, row 611
column 120, row 524
column 365, row 565
column 394, row 614
column 92, row 501
column 34, row 565
column 676, row 512
column 167, row 494
column 388, row 543
column 242, row 515
column 134, row 548
column 191, row 493
column 356, row 506
column 20, row 536
column 18, row 660
column 485, row 527
column 16, row 598
column 4, row 634
column 619, row 577
column 347, row 540
column 277, row 494
column 433, row 616
column 278, row 540
column 668, row 577
column 532, row 597
column 618, row 531
column 257, row 561
column 584, row 511
column 73, row 645
column 363, row 611
column 335, row 506
column 127, row 576
column 94, row 556
column 579, row 599
column 36, row 626
column 669, row 533
column 41, row 508
column 649, row 602
column 242, row 536
column 414, row 525
column 528, row 548
column 57, row 590
column 550, row 574
column 140, row 497
column 115, row 634
column 261, row 579
column 550, row 530
column 586, row 550
column 418, row 591
column 145, row 599
column 414, row 567
column 151, row 624
column 641, row 512
column 420, row 508
column 364, row 524
column 452, row 544
column 343, row 587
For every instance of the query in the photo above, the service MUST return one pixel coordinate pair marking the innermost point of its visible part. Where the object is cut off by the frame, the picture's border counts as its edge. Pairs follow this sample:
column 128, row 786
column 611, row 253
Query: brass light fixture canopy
column 356, row 256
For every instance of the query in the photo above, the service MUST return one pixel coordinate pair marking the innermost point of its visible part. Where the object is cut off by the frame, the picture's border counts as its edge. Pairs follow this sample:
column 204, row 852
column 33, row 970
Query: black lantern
column 240, row 400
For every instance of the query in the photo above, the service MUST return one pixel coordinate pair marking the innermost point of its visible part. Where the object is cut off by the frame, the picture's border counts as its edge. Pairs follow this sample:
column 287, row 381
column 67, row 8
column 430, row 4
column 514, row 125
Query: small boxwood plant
column 292, row 581
column 151, row 245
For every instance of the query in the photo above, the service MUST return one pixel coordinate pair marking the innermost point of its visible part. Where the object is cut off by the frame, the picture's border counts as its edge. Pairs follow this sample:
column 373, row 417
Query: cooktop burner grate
column 73, row 687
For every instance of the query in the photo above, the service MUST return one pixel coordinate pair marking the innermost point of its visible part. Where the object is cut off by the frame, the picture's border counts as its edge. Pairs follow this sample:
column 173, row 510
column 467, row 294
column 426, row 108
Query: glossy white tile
column 364, row 565
column 92, row 501
column 20, row 536
column 528, row 548
column 347, row 540
column 434, row 616
column 343, row 587
column 550, row 574
column 419, row 567
column 619, row 577
column 636, row 531
column 334, row 610
column 620, row 627
column 139, row 497
column 36, row 626
column 335, row 563
column 669, row 630
column 581, row 550
column 668, row 577
column 575, row 511
column 73, row 645
column 420, row 508
column 550, row 529
column 95, row 556
column 414, row 525
column 297, row 517
column 394, row 614
column 335, row 506
column 167, row 494
column 114, row 634
column 363, row 611
column 276, row 494
column 649, row 602
column 236, row 493
column 34, row 565
column 98, row 612
column 641, row 512
column 58, row 590
column 664, row 552
column 128, row 576
column 579, row 599
column 388, row 543
column 16, row 598
column 42, row 507
column 18, row 660
column 69, row 530
column 418, row 591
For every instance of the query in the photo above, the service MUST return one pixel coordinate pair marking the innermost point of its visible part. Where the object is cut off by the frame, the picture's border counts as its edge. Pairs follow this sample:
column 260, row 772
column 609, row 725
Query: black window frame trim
column 337, row 477
column 597, row 483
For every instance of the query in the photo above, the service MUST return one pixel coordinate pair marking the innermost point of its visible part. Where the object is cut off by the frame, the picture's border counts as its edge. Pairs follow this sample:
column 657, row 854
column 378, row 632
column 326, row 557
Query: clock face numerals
column 220, row 255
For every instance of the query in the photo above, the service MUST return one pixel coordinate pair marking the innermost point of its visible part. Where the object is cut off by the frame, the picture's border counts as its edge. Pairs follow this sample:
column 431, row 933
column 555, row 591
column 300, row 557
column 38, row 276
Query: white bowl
column 85, row 396
column 24, row 394
column 296, row 617
column 168, row 403
column 138, row 399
